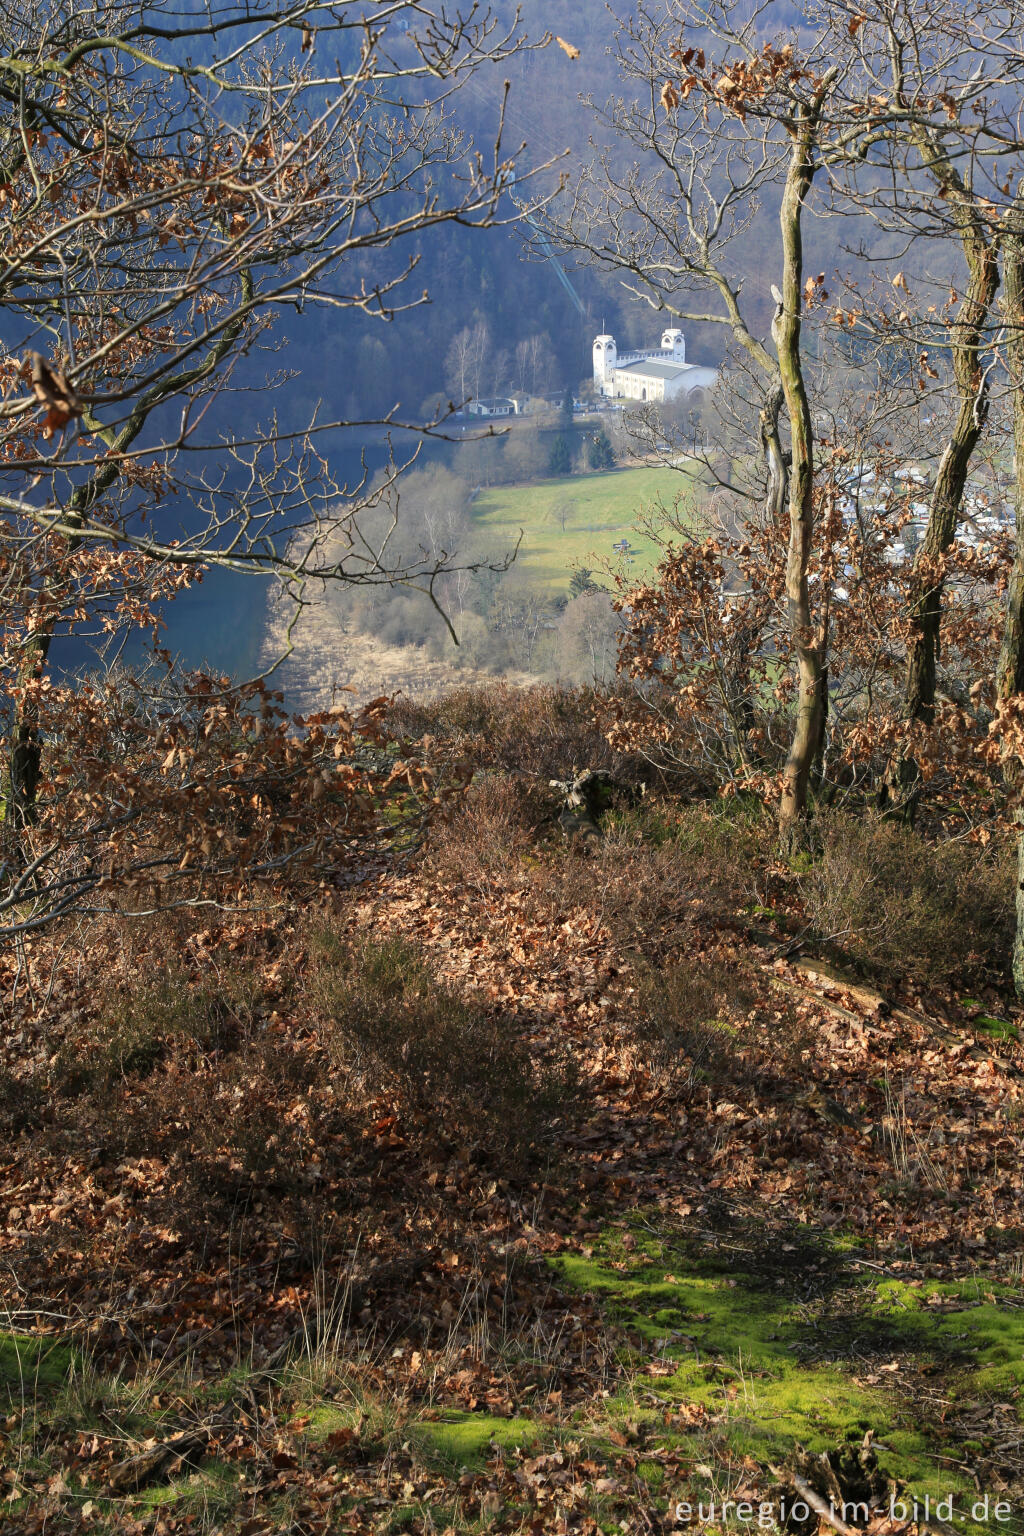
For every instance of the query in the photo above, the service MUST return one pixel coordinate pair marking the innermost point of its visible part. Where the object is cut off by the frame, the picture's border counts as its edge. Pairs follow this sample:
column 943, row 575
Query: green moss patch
column 995, row 1029
column 813, row 1356
column 976, row 1325
column 451, row 1438
column 211, row 1489
column 467, row 1439
column 31, row 1367
column 734, row 1348
column 326, row 1419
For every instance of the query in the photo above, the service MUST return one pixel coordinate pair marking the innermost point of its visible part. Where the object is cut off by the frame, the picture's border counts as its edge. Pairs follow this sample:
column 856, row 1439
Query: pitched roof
column 656, row 369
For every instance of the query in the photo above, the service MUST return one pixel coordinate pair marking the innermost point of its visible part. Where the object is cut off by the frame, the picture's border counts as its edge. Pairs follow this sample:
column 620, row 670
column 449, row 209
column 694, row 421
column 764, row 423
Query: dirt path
column 806, row 1243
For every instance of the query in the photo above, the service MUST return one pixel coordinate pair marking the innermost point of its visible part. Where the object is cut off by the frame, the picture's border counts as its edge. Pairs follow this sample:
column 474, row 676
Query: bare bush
column 651, row 891
column 542, row 732
column 481, row 842
column 682, row 1025
column 905, row 907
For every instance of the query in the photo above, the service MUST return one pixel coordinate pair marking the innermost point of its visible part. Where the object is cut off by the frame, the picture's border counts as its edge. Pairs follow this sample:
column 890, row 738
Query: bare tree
column 928, row 176
column 458, row 364
column 882, row 107
column 586, row 641
column 173, row 183
column 520, row 614
column 500, row 364
column 467, row 360
column 478, row 358
column 1010, row 672
column 540, row 361
column 522, row 375
column 561, row 511
column 711, row 135
column 907, row 114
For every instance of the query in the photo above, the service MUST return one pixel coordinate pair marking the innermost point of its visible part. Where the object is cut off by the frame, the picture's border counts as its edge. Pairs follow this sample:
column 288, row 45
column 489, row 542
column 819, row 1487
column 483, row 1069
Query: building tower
column 672, row 342
column 604, row 364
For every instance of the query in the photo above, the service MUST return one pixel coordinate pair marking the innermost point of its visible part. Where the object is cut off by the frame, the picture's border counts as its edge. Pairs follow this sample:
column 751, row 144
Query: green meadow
column 603, row 508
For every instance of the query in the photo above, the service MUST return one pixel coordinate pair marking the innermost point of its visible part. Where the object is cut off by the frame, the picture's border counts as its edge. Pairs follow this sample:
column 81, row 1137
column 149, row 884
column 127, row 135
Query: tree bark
column 1010, row 670
column 771, row 446
column 805, row 638
column 26, row 752
column 901, row 788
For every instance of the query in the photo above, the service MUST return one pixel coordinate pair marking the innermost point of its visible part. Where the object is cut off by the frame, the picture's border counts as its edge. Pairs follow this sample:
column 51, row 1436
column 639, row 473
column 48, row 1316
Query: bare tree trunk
column 26, row 752
column 771, row 446
column 23, row 768
column 1010, row 673
column 806, row 639
column 901, row 789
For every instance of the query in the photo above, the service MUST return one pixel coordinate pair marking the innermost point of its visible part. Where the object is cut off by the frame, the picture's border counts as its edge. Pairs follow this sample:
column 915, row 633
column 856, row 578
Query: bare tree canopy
column 174, row 181
column 903, row 116
column 171, row 184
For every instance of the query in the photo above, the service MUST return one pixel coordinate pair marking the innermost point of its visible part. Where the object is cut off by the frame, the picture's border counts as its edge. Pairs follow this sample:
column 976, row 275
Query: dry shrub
column 518, row 740
column 737, row 833
column 482, row 841
column 189, row 1072
column 656, row 873
column 251, row 1124
column 22, row 1103
column 386, row 1020
column 901, row 906
column 541, row 732
column 221, row 794
column 234, row 1102
column 170, row 1016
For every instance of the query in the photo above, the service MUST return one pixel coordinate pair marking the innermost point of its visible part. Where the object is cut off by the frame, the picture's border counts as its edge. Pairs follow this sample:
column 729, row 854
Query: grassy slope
column 718, row 1373
column 605, row 509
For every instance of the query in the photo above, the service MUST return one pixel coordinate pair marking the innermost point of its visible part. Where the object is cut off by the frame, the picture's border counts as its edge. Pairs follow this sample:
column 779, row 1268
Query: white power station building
column 662, row 374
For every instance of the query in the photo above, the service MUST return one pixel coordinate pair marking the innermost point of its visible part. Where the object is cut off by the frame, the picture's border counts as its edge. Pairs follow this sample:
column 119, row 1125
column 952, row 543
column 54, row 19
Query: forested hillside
column 490, row 297
column 500, row 280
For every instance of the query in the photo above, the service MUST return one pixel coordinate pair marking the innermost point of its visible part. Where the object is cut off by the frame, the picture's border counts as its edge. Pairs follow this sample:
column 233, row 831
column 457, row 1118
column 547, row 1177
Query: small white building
column 500, row 406
column 661, row 374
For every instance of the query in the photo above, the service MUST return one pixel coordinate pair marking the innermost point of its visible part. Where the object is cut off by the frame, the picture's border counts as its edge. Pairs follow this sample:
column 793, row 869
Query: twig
column 158, row 1461
column 816, row 1502
column 784, row 985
